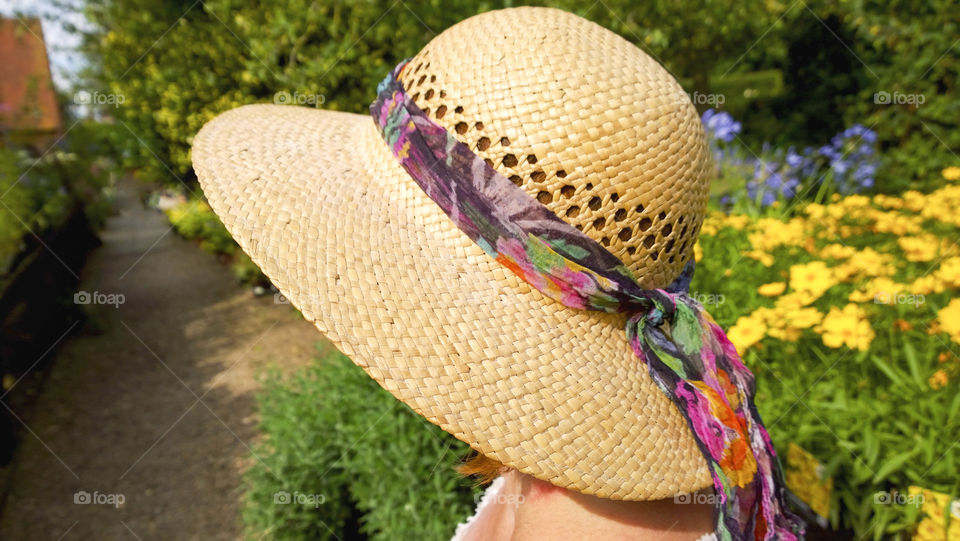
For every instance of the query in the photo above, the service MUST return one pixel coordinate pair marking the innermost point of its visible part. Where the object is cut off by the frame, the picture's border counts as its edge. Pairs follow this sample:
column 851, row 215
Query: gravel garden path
column 143, row 426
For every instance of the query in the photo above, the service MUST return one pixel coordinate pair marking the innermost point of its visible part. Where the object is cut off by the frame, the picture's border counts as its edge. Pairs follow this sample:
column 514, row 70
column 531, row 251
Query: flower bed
column 846, row 313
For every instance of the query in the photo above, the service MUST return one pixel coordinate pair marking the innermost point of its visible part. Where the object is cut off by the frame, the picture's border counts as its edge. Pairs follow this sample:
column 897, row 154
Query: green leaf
column 896, row 377
column 911, row 356
column 954, row 408
column 892, row 464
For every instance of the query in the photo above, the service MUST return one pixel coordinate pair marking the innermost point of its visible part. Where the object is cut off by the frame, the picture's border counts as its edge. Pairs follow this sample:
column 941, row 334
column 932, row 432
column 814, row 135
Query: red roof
column 27, row 98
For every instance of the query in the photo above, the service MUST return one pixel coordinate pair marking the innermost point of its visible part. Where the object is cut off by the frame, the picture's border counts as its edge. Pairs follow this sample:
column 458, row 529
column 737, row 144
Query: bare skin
column 528, row 509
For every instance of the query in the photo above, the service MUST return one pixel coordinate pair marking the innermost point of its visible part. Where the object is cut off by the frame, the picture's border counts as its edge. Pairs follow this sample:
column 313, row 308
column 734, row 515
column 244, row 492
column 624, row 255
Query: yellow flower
column 887, row 201
column 949, row 272
column 846, row 327
column 772, row 289
column 697, row 252
column 846, row 271
column 926, row 285
column 941, row 205
column 711, row 224
column 951, row 173
column 769, row 316
column 949, row 319
column 914, row 200
column 935, row 508
column 770, row 233
column 803, row 318
column 860, row 295
column 896, row 223
column 737, row 221
column 805, row 476
column 855, row 201
column 787, row 334
column 920, row 248
column 815, row 211
column 866, row 262
column 747, row 331
column 795, row 300
column 776, row 320
column 938, row 380
column 837, row 251
column 764, row 258
column 814, row 277
column 880, row 290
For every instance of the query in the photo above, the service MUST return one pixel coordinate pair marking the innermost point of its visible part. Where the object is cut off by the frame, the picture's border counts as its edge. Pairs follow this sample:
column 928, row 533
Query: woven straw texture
column 585, row 122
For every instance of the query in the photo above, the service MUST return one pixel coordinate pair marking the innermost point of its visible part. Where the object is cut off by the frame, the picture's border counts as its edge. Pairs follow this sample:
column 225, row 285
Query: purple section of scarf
column 686, row 352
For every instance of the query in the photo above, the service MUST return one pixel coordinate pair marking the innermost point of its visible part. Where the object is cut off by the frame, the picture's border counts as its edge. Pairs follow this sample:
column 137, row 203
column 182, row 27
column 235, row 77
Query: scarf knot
column 653, row 307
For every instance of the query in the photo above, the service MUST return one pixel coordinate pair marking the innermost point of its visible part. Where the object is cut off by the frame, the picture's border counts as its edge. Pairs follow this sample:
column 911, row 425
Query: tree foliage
column 179, row 63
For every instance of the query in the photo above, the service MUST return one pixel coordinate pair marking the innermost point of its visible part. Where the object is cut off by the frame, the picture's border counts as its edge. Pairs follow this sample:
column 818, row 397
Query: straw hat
column 585, row 122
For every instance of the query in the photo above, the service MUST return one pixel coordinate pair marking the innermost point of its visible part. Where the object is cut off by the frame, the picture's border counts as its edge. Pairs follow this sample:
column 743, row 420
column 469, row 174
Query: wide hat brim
column 317, row 200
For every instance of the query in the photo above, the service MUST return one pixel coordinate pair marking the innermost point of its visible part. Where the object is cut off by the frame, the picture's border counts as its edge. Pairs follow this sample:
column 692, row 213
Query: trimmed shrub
column 341, row 456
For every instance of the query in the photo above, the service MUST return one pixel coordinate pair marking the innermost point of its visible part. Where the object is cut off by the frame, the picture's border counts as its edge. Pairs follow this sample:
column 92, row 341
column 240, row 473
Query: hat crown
column 582, row 120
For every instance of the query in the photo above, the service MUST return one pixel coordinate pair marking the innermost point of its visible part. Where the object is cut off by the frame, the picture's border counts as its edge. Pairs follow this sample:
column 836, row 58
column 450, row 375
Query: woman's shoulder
column 465, row 530
column 479, row 525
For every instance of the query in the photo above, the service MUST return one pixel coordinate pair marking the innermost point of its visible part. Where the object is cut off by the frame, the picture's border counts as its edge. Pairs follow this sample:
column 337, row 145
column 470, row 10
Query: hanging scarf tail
column 694, row 363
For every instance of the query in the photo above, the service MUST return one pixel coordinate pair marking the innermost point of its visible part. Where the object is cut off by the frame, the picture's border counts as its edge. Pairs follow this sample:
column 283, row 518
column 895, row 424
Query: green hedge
column 39, row 192
column 349, row 457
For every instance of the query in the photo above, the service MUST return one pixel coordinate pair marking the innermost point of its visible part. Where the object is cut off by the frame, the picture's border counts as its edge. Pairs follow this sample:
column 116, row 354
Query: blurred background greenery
column 794, row 73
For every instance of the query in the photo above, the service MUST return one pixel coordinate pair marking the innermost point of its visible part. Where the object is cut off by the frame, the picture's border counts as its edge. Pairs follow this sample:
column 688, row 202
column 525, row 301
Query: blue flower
column 839, row 166
column 848, row 161
column 720, row 125
column 793, row 159
column 774, row 181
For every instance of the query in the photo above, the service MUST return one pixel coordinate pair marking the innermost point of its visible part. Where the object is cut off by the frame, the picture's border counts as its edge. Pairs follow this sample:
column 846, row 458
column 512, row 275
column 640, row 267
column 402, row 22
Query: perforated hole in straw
column 646, row 235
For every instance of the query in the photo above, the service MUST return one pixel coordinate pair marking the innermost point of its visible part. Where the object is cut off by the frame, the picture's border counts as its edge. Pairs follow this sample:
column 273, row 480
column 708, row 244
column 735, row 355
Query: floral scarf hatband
column 686, row 352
